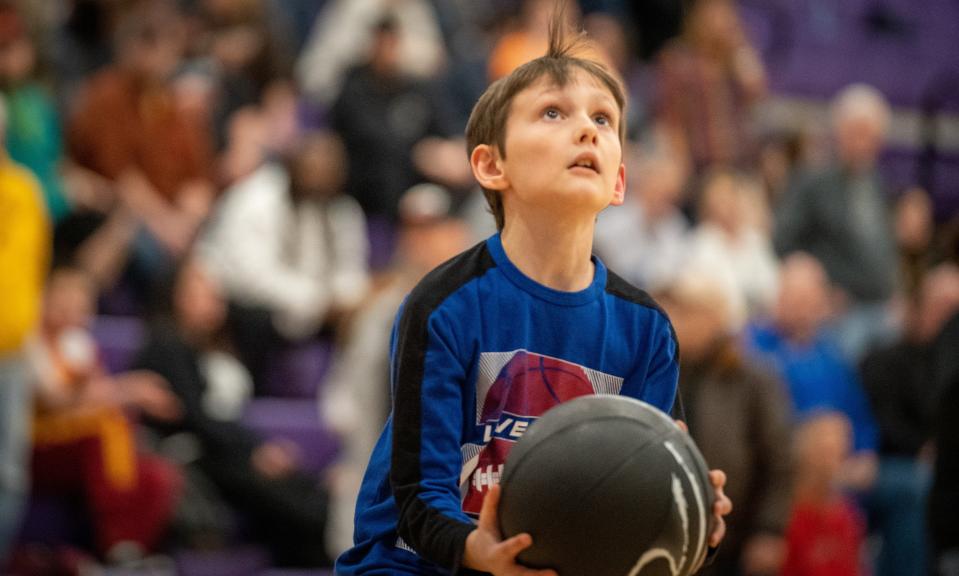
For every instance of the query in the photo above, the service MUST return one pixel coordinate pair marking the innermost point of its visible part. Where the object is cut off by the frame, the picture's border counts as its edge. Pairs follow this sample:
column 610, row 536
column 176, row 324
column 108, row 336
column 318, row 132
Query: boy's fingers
column 682, row 425
column 487, row 519
column 723, row 506
column 717, row 478
column 515, row 545
column 718, row 532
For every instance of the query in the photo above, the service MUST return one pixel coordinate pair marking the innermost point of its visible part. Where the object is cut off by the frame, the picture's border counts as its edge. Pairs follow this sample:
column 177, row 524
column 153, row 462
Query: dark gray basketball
column 608, row 486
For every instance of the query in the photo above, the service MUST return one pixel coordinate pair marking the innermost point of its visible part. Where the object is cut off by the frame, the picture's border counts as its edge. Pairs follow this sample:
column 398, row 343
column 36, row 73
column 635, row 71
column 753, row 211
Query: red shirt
column 824, row 540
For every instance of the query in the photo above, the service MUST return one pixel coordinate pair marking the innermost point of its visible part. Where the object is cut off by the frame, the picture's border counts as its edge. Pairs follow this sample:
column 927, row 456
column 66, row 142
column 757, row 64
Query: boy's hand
column 486, row 550
column 721, row 507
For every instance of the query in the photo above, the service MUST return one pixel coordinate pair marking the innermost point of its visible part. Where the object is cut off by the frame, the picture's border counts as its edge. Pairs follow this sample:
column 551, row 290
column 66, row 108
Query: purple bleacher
column 382, row 238
column 119, row 338
column 296, row 420
column 815, row 47
column 298, row 371
column 245, row 561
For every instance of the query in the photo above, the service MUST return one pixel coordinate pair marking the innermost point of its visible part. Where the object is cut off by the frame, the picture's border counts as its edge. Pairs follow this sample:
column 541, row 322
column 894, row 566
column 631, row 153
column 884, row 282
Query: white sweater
column 298, row 261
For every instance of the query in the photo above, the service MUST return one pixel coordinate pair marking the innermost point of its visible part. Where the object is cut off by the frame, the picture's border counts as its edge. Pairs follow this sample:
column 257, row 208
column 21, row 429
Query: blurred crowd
column 243, row 178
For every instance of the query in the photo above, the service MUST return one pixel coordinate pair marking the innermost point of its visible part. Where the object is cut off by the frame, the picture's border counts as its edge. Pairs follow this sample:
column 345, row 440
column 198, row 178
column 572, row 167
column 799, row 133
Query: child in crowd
column 826, row 532
column 84, row 440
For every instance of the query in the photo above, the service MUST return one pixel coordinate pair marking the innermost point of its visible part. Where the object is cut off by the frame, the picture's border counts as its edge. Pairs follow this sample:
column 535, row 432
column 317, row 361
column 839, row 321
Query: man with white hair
column 738, row 415
column 24, row 244
column 840, row 216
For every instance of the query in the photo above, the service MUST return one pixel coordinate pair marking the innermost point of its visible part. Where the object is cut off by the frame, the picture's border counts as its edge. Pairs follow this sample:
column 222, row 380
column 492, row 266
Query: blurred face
column 562, row 148
column 803, row 301
column 697, row 326
column 386, row 52
column 715, row 25
column 17, row 60
column 318, row 167
column 859, row 139
column 938, row 301
column 661, row 187
column 823, row 445
column 198, row 302
column 722, row 203
column 70, row 301
column 154, row 55
column 914, row 225
column 425, row 246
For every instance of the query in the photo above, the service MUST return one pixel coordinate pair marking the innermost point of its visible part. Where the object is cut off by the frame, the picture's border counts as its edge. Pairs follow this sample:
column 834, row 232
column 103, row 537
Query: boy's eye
column 602, row 119
column 551, row 113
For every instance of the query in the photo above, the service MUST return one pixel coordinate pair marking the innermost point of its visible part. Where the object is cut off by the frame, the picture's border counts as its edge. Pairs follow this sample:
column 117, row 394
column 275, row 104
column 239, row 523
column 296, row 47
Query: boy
column 489, row 341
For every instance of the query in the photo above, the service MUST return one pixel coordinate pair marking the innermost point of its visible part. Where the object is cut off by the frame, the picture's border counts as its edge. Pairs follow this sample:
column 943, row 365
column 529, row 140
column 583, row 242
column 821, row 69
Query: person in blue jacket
column 528, row 319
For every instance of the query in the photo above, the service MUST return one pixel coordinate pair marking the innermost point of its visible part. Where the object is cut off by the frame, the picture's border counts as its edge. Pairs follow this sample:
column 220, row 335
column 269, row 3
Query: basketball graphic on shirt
column 524, row 388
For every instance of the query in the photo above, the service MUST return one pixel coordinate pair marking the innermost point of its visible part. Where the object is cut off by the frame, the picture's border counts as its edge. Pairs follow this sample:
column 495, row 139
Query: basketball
column 608, row 486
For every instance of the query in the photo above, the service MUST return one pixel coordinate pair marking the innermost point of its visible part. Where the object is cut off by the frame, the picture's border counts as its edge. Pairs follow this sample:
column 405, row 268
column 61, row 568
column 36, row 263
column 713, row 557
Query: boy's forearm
column 432, row 535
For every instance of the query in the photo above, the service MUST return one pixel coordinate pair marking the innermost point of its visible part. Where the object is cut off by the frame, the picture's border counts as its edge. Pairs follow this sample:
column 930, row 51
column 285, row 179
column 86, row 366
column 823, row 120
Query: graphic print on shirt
column 513, row 389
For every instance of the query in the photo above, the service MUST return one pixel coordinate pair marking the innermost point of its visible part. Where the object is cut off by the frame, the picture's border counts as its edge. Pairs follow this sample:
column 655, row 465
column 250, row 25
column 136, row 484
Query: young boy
column 489, row 341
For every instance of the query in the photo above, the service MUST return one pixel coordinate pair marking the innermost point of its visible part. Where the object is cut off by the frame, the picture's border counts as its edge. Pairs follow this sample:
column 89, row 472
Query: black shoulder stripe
column 616, row 286
column 434, row 536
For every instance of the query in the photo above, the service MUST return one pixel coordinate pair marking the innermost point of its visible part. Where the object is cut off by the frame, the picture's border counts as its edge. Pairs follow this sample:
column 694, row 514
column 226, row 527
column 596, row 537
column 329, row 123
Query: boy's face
column 563, row 150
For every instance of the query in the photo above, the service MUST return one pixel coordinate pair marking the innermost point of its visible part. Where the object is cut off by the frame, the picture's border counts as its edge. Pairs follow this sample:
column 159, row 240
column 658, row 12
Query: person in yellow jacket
column 24, row 248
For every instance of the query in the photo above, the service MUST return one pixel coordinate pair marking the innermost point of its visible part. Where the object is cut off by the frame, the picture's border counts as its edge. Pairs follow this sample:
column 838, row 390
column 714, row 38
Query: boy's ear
column 487, row 169
column 619, row 193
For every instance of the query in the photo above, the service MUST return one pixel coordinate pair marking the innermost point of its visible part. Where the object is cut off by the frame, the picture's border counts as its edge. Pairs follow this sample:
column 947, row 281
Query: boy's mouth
column 588, row 161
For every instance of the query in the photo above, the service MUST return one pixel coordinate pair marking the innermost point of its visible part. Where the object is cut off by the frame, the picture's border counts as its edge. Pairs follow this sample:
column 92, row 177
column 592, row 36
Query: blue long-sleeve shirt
column 479, row 352
column 818, row 378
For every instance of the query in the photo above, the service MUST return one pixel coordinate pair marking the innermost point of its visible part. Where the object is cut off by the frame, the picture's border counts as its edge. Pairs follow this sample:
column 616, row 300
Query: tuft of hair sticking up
column 569, row 51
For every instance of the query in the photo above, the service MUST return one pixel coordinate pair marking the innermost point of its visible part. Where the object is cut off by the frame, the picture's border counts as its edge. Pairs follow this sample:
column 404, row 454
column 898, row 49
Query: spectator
column 128, row 129
column 915, row 228
column 649, row 222
column 24, row 247
column 262, row 478
column 709, row 79
column 816, row 374
column 896, row 378
column 288, row 246
column 840, row 216
column 345, row 34
column 527, row 42
column 84, row 442
column 944, row 497
column 33, row 127
column 826, row 532
column 729, row 232
column 357, row 403
column 382, row 114
column 738, row 416
column 243, row 47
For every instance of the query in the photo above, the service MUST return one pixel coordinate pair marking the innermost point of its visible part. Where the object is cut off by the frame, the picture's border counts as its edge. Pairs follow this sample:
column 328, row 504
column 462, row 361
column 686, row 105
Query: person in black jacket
column 897, row 380
column 944, row 497
column 287, row 508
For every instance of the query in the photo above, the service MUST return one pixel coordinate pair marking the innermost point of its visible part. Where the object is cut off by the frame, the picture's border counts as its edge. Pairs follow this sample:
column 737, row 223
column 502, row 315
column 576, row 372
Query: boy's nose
column 586, row 131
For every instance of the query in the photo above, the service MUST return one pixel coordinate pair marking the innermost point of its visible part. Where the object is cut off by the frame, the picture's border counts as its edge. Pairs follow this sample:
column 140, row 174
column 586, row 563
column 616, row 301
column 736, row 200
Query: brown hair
column 487, row 122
